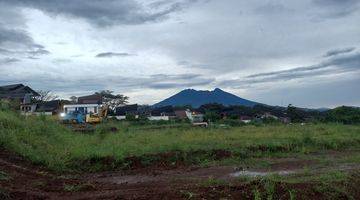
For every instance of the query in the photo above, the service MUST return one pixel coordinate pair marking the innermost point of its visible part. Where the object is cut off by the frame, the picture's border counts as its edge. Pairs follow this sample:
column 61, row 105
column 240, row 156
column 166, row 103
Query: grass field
column 322, row 160
column 45, row 142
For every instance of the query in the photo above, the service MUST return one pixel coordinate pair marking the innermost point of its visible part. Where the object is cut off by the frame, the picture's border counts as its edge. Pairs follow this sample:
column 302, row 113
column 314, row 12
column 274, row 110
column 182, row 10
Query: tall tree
column 73, row 99
column 112, row 100
column 45, row 95
column 295, row 114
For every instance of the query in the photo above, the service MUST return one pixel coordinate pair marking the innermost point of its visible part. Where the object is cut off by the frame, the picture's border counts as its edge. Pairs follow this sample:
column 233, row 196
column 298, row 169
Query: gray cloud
column 106, row 12
column 337, row 8
column 17, row 42
column 216, row 40
column 336, row 3
column 32, row 58
column 17, row 36
column 339, row 51
column 38, row 52
column 5, row 52
column 271, row 8
column 333, row 65
column 8, row 60
column 163, row 81
column 61, row 61
column 157, row 81
column 345, row 63
column 32, row 52
column 113, row 54
column 321, row 94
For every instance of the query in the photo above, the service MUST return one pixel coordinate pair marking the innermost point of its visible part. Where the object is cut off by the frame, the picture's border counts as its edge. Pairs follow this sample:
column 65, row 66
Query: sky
column 277, row 52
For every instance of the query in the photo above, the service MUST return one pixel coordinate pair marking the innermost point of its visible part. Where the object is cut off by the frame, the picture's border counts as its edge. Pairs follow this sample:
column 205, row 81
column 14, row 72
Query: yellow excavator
column 98, row 117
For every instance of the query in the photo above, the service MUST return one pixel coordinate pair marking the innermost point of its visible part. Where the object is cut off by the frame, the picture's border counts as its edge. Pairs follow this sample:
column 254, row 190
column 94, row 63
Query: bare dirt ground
column 27, row 181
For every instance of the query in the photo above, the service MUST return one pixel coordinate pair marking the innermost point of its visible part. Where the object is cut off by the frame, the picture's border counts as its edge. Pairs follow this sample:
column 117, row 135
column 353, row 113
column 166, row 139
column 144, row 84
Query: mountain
column 196, row 98
column 322, row 109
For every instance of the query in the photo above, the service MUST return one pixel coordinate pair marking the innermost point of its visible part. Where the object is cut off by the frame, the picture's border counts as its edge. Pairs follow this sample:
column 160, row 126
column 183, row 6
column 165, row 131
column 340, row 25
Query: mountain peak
column 196, row 98
column 218, row 90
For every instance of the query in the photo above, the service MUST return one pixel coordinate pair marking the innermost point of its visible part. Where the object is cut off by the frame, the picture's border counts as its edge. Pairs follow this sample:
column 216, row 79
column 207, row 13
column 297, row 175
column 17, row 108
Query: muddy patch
column 190, row 173
column 158, row 161
column 28, row 181
column 290, row 164
column 246, row 173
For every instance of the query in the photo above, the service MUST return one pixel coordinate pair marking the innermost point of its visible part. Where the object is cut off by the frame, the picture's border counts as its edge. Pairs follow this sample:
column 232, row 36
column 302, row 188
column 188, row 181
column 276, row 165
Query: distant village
column 95, row 108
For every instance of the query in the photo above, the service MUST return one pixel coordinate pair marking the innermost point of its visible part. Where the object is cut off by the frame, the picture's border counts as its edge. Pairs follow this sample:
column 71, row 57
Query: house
column 269, row 115
column 126, row 110
column 122, row 111
column 159, row 118
column 285, row 120
column 245, row 119
column 50, row 107
column 91, row 104
column 90, row 99
column 180, row 114
column 42, row 108
column 18, row 92
column 28, row 109
column 144, row 110
column 82, row 108
column 163, row 111
column 194, row 116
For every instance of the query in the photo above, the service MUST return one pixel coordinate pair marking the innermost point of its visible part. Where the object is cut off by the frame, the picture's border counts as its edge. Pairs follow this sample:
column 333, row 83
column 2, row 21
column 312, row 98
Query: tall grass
column 46, row 142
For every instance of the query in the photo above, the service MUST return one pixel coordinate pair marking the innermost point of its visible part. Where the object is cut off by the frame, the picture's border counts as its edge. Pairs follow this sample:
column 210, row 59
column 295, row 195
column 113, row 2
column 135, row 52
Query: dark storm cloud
column 105, row 12
column 113, row 54
column 339, row 51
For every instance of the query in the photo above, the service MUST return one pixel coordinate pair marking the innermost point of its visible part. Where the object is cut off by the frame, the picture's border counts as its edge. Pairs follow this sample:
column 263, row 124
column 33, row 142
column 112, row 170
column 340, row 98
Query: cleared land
column 43, row 159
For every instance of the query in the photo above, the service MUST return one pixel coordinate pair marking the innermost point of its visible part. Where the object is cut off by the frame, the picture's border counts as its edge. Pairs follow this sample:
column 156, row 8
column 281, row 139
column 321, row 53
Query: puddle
column 261, row 174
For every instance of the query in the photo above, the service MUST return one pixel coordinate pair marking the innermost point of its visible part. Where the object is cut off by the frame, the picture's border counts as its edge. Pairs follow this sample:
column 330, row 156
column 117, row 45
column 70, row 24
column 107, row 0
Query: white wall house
column 158, row 118
column 27, row 109
column 194, row 117
column 83, row 108
column 246, row 121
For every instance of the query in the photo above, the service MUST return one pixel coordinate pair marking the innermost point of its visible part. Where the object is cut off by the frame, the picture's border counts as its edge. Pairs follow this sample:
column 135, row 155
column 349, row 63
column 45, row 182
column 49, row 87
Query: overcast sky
column 271, row 51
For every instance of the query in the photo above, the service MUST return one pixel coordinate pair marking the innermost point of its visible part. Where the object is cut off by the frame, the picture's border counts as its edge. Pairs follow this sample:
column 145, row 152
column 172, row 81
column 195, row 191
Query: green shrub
column 4, row 176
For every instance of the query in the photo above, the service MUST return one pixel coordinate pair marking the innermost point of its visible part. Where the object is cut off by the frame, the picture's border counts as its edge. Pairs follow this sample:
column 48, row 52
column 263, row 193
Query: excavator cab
column 94, row 118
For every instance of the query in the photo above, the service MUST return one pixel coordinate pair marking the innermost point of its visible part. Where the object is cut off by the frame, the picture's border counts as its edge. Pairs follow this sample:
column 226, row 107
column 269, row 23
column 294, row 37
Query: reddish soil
column 28, row 181
column 163, row 161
